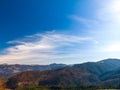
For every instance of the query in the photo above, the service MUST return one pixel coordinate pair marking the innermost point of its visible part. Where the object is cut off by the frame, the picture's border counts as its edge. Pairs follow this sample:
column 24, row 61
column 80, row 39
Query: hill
column 2, row 83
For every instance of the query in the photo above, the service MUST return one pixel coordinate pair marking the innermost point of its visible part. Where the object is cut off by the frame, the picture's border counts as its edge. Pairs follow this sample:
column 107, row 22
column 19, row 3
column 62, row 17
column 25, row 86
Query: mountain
column 100, row 67
column 8, row 70
column 64, row 77
column 102, row 74
column 111, row 74
column 111, row 78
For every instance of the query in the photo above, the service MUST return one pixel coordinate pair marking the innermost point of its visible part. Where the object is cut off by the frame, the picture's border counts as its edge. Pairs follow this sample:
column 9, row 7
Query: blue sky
column 59, row 31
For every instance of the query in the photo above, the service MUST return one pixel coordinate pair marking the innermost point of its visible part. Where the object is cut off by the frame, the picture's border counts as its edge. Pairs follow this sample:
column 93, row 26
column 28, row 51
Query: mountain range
column 7, row 70
column 104, row 73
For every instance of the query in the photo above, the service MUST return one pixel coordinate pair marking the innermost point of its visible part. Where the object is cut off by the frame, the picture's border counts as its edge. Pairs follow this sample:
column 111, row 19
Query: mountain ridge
column 8, row 70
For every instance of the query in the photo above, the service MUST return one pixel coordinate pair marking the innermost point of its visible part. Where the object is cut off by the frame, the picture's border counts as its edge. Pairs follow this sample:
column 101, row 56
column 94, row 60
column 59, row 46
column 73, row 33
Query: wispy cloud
column 104, row 27
column 39, row 47
column 110, row 11
column 84, row 21
column 108, row 31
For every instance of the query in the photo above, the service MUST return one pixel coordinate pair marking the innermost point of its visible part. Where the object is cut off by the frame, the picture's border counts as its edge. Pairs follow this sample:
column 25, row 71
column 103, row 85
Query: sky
column 59, row 31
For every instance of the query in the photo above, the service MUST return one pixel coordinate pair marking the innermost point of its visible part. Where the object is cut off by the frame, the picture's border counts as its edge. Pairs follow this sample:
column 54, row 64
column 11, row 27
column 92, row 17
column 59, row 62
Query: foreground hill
column 64, row 77
column 102, row 74
column 8, row 70
column 2, row 83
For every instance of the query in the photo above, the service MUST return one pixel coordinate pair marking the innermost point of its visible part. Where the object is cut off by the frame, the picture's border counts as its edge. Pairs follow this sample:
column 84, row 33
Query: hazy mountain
column 8, row 70
column 102, row 73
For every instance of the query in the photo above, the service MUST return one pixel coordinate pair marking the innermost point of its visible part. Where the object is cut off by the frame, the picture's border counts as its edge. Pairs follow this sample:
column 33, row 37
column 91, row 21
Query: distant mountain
column 102, row 74
column 8, row 70
column 100, row 67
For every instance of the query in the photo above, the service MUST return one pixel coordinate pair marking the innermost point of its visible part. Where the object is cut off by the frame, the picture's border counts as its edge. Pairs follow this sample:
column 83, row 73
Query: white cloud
column 39, row 47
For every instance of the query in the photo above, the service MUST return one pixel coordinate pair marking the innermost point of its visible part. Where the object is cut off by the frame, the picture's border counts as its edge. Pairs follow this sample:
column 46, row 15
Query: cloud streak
column 39, row 47
column 84, row 21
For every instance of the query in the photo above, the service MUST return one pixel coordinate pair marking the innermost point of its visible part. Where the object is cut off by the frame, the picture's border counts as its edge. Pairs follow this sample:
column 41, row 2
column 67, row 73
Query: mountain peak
column 111, row 60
